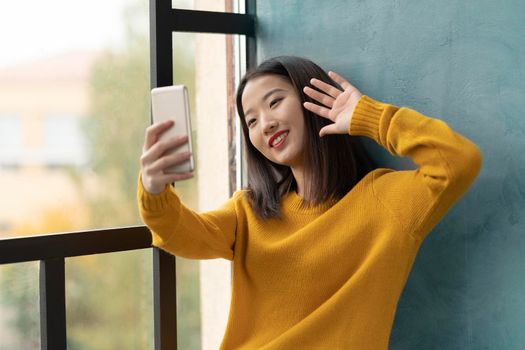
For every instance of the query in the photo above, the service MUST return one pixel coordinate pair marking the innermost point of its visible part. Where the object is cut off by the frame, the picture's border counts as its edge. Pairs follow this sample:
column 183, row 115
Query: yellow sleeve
column 182, row 232
column 448, row 163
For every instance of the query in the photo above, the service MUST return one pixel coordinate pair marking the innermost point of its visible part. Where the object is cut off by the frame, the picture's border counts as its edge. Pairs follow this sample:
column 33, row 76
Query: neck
column 298, row 174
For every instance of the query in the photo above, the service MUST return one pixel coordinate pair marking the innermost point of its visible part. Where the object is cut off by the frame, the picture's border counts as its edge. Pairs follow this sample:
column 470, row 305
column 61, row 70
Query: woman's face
column 274, row 115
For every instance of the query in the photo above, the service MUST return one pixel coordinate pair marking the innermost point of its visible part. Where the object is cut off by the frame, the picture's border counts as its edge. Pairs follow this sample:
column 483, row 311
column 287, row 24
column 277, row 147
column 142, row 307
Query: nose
column 269, row 124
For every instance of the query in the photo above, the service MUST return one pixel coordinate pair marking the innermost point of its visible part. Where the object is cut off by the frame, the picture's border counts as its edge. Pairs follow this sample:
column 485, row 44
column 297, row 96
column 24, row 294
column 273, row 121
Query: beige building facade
column 41, row 106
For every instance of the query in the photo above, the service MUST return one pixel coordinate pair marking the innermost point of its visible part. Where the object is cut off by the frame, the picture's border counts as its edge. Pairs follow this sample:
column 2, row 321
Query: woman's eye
column 250, row 122
column 274, row 102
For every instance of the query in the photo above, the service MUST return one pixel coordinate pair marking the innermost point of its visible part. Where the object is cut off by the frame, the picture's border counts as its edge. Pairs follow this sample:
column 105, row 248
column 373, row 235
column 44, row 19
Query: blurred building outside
column 40, row 135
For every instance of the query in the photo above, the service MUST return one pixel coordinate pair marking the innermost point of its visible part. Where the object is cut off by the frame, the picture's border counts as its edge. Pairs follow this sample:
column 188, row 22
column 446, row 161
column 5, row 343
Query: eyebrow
column 266, row 95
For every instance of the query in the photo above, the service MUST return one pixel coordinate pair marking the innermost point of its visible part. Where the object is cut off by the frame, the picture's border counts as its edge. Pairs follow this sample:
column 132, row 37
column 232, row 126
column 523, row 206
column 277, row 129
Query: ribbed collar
column 292, row 202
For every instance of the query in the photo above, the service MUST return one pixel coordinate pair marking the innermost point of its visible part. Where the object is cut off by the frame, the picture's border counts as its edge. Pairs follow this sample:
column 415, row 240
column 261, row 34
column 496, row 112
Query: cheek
column 299, row 121
column 255, row 142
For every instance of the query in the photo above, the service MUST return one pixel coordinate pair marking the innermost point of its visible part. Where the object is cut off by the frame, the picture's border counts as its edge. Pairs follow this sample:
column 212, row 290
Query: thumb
column 329, row 129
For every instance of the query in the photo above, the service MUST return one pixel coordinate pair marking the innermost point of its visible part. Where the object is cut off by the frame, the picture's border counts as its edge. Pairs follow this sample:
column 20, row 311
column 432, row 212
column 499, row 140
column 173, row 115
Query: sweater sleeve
column 182, row 232
column 448, row 163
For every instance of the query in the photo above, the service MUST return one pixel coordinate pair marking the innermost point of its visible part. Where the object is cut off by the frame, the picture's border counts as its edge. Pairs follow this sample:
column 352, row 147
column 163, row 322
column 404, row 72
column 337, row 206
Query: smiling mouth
column 278, row 140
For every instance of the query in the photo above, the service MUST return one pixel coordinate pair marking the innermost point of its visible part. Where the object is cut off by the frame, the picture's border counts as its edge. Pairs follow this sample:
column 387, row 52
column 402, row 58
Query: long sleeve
column 448, row 163
column 185, row 233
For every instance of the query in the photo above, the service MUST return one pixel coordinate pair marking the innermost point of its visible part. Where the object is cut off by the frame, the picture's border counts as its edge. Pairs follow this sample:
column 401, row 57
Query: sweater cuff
column 366, row 119
column 156, row 202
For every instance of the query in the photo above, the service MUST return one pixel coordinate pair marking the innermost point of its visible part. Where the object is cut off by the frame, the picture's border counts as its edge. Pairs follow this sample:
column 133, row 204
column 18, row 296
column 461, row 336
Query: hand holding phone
column 166, row 156
column 171, row 103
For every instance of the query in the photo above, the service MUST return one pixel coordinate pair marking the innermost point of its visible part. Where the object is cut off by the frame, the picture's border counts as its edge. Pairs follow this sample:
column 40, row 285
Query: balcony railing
column 52, row 249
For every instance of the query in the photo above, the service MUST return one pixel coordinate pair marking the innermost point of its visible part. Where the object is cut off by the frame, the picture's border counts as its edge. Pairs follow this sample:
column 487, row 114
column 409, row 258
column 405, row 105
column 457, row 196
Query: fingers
column 174, row 177
column 326, row 88
column 158, row 156
column 161, row 164
column 319, row 110
column 319, row 97
column 341, row 81
column 155, row 175
column 157, row 184
column 161, row 147
column 329, row 129
column 154, row 131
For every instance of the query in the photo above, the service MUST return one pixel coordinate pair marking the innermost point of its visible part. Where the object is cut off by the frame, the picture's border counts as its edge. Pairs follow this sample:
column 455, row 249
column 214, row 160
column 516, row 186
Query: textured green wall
column 462, row 62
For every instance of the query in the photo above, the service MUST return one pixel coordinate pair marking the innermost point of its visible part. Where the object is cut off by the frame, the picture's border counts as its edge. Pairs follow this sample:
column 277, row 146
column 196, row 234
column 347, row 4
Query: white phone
column 171, row 102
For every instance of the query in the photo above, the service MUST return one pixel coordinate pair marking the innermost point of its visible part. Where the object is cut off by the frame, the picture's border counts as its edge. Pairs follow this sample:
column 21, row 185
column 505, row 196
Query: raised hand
column 155, row 159
column 337, row 106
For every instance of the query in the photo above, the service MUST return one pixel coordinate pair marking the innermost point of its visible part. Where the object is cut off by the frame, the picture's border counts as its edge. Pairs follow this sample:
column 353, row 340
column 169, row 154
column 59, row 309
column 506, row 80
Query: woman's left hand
column 339, row 104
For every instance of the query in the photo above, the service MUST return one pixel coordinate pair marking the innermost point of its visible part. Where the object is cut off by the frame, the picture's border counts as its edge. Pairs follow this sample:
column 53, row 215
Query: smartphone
column 171, row 102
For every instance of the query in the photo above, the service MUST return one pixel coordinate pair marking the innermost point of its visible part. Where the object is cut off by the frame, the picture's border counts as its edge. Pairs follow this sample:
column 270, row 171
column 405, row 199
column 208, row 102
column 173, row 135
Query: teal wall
column 462, row 62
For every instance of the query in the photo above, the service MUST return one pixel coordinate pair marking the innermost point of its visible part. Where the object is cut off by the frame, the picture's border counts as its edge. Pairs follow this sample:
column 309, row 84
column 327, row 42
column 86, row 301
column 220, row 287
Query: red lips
column 274, row 136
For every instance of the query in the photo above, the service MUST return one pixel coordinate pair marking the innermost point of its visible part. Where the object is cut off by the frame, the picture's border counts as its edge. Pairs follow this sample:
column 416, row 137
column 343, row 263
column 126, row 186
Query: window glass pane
column 109, row 300
column 19, row 307
column 74, row 105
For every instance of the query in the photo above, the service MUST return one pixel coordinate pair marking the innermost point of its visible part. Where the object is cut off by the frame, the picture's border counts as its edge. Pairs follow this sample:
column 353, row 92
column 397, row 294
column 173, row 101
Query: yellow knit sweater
column 327, row 277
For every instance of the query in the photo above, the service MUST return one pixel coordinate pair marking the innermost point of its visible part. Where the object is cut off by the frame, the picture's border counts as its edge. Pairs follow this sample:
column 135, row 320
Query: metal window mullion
column 164, row 280
column 211, row 22
column 251, row 40
column 161, row 62
column 164, row 300
column 53, row 304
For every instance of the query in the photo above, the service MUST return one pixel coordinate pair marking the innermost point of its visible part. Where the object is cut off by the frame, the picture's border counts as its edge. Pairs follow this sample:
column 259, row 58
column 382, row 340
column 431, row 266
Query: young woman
column 322, row 242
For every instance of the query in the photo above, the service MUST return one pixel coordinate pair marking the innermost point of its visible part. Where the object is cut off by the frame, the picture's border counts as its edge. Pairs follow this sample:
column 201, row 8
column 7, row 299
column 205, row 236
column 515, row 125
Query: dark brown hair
column 333, row 163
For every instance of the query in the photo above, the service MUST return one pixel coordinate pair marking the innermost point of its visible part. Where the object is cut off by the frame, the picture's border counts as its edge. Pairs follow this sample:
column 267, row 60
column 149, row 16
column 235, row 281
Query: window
column 74, row 107
column 10, row 131
column 63, row 141
column 79, row 167
column 10, row 140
